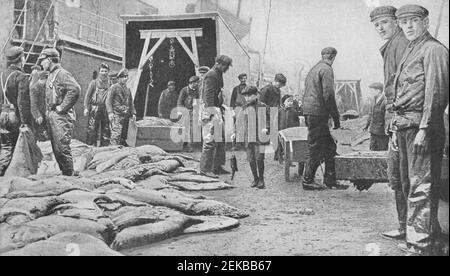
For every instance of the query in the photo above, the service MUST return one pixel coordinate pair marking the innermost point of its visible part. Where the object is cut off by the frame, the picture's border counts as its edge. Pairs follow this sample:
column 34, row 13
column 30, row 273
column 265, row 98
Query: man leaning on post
column 421, row 95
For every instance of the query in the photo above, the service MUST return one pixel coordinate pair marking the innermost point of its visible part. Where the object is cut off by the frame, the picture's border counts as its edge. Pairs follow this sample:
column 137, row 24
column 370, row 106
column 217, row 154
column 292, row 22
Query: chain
column 172, row 54
column 150, row 66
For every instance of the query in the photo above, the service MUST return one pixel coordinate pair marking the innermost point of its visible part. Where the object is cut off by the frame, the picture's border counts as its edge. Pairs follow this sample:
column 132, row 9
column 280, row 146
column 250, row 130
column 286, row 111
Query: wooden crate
column 154, row 135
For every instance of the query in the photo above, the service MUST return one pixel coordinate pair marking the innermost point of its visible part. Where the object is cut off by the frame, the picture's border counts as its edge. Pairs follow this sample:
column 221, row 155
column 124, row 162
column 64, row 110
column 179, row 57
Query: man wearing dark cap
column 15, row 104
column 252, row 134
column 319, row 105
column 203, row 70
column 379, row 140
column 421, row 96
column 213, row 153
column 62, row 93
column 95, row 108
column 386, row 25
column 187, row 98
column 271, row 94
column 167, row 101
column 120, row 107
column 237, row 99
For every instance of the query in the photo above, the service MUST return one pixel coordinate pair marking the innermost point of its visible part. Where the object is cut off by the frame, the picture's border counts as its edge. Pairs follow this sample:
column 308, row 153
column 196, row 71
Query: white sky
column 301, row 28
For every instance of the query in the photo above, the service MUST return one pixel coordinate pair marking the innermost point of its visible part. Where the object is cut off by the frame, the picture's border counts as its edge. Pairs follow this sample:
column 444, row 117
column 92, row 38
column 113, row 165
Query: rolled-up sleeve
column 436, row 67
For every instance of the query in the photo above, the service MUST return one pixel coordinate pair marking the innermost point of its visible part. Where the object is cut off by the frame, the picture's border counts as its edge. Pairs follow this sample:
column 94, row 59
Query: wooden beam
column 172, row 33
column 153, row 50
column 188, row 51
column 141, row 62
column 195, row 51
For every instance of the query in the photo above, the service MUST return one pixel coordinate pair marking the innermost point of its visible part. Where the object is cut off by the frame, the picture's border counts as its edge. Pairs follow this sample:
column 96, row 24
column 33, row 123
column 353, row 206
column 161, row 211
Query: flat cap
column 412, row 10
column 225, row 60
column 329, row 51
column 281, row 79
column 250, row 90
column 123, row 73
column 203, row 69
column 377, row 85
column 13, row 54
column 242, row 75
column 170, row 83
column 194, row 79
column 383, row 11
column 113, row 74
column 285, row 97
column 49, row 53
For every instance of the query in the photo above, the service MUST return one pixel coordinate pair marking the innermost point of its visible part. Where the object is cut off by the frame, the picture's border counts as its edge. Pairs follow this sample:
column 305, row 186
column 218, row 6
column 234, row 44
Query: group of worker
column 44, row 102
column 407, row 118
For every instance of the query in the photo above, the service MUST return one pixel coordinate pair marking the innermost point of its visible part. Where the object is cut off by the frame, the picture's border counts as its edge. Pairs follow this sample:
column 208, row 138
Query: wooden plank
column 173, row 33
column 141, row 62
column 195, row 52
column 188, row 51
column 153, row 50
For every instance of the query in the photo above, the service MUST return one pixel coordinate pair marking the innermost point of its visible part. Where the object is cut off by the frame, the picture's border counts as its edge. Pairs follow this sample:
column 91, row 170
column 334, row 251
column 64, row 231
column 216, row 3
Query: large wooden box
column 155, row 135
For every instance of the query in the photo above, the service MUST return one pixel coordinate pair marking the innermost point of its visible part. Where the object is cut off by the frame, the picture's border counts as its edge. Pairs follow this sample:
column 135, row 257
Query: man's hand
column 23, row 126
column 133, row 118
column 233, row 137
column 39, row 120
column 59, row 109
column 86, row 112
column 394, row 141
column 111, row 118
column 265, row 131
column 421, row 142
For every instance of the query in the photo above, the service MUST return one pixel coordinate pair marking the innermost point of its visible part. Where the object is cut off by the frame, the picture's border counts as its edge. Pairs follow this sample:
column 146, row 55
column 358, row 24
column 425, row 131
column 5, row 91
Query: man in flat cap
column 319, row 105
column 187, row 99
column 120, row 107
column 421, row 95
column 95, row 108
column 62, row 93
column 386, row 25
column 203, row 70
column 213, row 153
column 113, row 77
column 379, row 140
column 271, row 94
column 167, row 101
column 237, row 99
column 15, row 104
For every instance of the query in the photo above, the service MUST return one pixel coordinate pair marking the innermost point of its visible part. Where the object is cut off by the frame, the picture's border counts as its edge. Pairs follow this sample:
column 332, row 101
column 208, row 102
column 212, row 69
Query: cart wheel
column 287, row 170
column 301, row 169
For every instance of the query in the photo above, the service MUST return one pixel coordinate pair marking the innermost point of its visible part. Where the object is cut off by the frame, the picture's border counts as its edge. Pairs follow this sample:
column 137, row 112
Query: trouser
column 395, row 182
column 213, row 152
column 322, row 148
column 255, row 157
column 379, row 142
column 8, row 142
column 119, row 130
column 60, row 130
column 98, row 125
column 421, row 186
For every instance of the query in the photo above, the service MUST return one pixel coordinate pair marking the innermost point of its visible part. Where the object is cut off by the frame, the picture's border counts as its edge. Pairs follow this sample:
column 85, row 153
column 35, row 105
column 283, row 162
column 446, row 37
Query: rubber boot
column 261, row 183
column 254, row 168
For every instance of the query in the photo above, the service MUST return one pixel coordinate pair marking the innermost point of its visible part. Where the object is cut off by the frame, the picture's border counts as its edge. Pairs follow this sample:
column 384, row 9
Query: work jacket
column 271, row 96
column 422, row 85
column 212, row 86
column 237, row 99
column 319, row 98
column 288, row 117
column 17, row 92
column 119, row 101
column 37, row 96
column 187, row 97
column 97, row 93
column 167, row 102
column 392, row 53
column 61, row 90
column 376, row 120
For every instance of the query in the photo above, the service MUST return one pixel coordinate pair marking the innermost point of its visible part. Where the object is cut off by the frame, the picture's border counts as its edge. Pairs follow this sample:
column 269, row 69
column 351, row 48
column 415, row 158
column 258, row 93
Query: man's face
column 224, row 68
column 289, row 102
column 171, row 88
column 278, row 84
column 386, row 27
column 123, row 80
column 243, row 80
column 194, row 85
column 414, row 26
column 45, row 63
column 103, row 73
